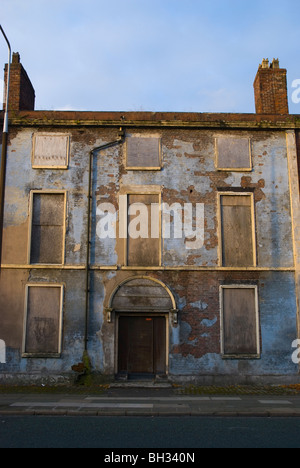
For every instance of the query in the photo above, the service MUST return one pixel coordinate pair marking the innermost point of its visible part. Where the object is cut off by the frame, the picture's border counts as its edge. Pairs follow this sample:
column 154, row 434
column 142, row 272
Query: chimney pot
column 275, row 64
column 16, row 57
column 265, row 63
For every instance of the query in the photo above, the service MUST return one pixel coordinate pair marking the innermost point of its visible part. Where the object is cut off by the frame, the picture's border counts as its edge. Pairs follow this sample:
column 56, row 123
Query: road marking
column 167, row 399
column 80, row 405
column 275, row 402
column 226, row 399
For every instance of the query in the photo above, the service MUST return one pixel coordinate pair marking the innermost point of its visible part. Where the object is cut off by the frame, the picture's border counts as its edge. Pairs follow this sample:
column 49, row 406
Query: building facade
column 160, row 245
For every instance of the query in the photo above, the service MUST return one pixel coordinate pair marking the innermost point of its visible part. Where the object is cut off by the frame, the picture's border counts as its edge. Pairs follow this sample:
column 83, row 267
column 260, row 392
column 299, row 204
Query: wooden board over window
column 43, row 321
column 237, row 231
column 233, row 154
column 143, row 153
column 50, row 151
column 47, row 228
column 143, row 250
column 240, row 323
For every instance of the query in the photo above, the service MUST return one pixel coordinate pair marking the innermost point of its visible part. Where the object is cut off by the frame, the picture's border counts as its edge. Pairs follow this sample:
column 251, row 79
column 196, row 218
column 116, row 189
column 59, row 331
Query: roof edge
column 152, row 119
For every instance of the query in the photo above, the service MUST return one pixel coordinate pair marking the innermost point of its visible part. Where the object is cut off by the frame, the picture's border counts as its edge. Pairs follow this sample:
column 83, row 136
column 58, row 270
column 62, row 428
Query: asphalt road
column 147, row 432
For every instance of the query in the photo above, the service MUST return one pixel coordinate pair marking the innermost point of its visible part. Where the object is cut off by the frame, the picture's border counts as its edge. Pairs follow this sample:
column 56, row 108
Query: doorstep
column 141, row 382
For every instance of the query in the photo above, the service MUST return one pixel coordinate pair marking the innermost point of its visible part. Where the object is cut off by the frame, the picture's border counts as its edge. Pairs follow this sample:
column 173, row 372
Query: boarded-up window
column 237, row 231
column 143, row 243
column 233, row 154
column 143, row 153
column 240, row 320
column 50, row 151
column 47, row 230
column 42, row 334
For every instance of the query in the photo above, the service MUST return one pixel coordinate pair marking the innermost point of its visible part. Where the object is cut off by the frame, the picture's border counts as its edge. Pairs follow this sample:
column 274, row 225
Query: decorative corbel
column 174, row 314
column 108, row 312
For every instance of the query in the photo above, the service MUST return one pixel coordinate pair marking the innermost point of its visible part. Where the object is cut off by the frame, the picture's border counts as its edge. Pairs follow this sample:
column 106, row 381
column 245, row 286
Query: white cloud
column 68, row 107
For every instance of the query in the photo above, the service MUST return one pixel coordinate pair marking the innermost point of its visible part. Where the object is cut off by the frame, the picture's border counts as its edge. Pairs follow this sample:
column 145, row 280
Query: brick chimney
column 21, row 92
column 270, row 89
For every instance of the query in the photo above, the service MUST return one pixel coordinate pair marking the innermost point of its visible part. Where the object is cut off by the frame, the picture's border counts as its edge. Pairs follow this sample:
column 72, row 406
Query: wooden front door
column 142, row 345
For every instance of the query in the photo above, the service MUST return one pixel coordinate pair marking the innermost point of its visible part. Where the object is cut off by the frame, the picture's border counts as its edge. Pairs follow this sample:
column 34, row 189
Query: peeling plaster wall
column 196, row 349
column 12, row 296
column 21, row 179
column 188, row 175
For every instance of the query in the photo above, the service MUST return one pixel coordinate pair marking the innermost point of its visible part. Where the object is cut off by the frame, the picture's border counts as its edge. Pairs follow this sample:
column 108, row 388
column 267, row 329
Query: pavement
column 148, row 402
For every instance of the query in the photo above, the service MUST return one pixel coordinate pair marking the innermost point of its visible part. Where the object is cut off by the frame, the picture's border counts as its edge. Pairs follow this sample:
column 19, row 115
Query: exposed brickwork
column 270, row 89
column 197, row 296
column 21, row 92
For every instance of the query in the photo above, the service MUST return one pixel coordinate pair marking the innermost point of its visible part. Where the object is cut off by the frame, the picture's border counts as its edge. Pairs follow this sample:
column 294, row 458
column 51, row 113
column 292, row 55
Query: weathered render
column 220, row 307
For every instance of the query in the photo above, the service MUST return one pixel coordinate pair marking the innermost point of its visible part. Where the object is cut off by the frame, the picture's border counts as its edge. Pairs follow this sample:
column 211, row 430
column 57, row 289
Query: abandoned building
column 160, row 245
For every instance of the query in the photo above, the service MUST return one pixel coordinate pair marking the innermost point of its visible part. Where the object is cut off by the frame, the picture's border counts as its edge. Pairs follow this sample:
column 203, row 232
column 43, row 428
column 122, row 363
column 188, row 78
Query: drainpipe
column 4, row 148
column 93, row 152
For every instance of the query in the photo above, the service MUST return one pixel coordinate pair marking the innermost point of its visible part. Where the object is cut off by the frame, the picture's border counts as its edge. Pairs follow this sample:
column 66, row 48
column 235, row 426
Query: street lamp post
column 4, row 146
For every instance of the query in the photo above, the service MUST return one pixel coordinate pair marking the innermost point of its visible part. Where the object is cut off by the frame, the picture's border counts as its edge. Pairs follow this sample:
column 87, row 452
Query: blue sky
column 152, row 55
